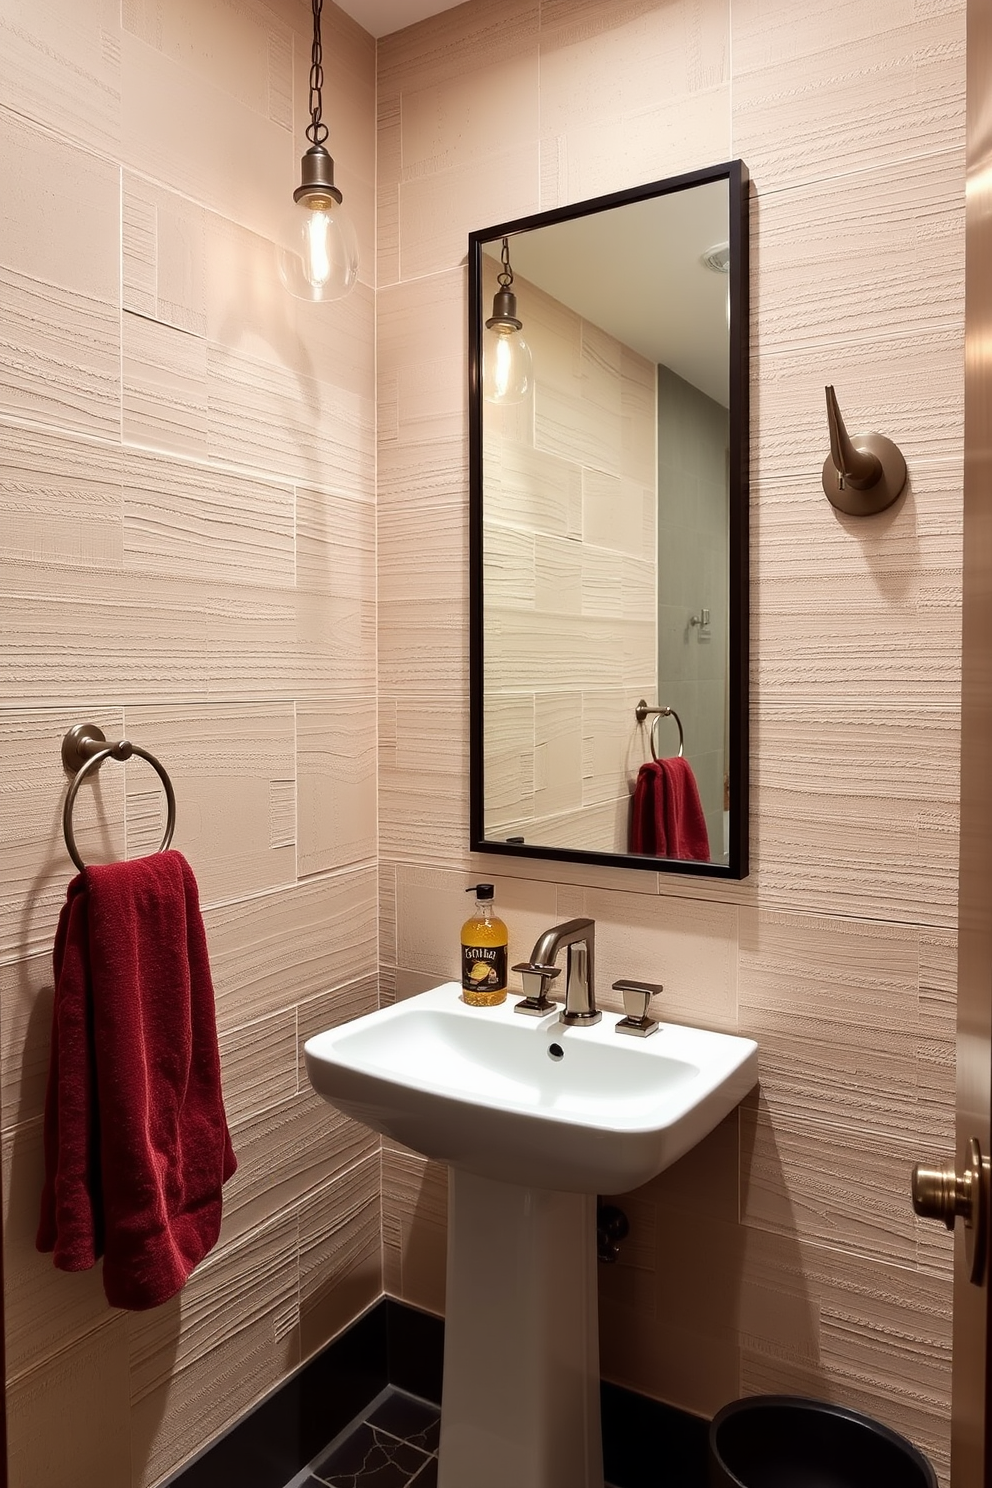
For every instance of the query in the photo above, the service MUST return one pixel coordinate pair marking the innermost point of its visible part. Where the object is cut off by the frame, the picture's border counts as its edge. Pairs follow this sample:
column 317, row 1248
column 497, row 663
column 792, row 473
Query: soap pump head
column 481, row 891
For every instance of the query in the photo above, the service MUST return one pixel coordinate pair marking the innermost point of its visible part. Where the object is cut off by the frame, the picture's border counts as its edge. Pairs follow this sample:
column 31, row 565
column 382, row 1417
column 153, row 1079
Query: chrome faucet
column 580, row 1010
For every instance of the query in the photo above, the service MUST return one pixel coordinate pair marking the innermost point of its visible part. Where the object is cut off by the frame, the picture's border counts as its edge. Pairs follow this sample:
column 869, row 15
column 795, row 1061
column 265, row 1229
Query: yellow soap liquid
column 484, row 944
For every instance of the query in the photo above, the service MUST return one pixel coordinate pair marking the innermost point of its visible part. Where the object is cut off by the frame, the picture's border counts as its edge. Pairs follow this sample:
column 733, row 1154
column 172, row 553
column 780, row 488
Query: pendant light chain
column 316, row 129
column 505, row 277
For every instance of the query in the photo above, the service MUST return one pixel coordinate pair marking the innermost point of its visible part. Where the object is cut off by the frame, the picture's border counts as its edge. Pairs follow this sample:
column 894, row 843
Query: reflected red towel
column 666, row 819
column 136, row 1139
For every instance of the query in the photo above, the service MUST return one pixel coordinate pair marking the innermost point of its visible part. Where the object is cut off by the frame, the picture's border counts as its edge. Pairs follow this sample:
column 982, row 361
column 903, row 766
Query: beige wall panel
column 423, row 475
column 422, row 769
column 422, row 361
column 329, row 1009
column 230, row 821
column 60, row 66
column 336, row 784
column 857, row 812
column 194, row 523
column 258, row 1065
column 423, row 647
column 423, row 554
column 68, row 1422
column 885, row 256
column 26, row 998
column 438, row 211
column 414, row 1228
column 46, row 1310
column 35, row 867
column 199, row 1361
column 894, row 63
column 335, row 544
column 60, row 499
column 165, row 392
column 441, row 49
column 340, row 1254
column 166, row 116
column 269, row 951
column 285, row 1153
column 834, row 1006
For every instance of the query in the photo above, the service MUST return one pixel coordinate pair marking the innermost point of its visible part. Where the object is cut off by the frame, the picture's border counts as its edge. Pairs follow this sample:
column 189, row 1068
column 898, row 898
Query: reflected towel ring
column 641, row 712
column 85, row 748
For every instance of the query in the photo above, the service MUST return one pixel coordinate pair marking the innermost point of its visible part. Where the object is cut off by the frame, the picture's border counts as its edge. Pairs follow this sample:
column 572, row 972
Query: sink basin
column 528, row 1101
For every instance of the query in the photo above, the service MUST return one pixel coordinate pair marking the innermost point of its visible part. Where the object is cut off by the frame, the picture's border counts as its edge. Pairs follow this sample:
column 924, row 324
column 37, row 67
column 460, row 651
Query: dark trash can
column 784, row 1441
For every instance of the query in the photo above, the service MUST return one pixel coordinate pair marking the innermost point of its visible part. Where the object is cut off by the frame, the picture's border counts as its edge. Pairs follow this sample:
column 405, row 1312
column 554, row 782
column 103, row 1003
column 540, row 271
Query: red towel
column 136, row 1140
column 666, row 819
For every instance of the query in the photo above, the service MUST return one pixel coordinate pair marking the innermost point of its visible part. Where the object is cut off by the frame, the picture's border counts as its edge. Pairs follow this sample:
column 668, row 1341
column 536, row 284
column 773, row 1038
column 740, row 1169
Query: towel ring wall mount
column 84, row 750
column 641, row 712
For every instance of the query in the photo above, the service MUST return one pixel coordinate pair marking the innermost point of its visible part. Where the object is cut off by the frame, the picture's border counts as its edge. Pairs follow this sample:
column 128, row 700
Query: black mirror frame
column 736, row 175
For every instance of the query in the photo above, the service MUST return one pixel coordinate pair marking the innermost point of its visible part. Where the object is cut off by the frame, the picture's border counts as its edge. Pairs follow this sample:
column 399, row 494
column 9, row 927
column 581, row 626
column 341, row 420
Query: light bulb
column 319, row 256
column 507, row 365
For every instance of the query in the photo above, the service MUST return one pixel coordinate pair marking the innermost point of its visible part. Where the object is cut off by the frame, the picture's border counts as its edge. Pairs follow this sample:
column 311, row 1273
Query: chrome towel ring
column 641, row 712
column 84, row 749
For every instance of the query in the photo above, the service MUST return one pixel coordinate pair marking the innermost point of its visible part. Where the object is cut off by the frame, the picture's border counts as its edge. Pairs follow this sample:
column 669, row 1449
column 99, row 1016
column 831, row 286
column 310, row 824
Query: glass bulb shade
column 507, row 365
column 322, row 263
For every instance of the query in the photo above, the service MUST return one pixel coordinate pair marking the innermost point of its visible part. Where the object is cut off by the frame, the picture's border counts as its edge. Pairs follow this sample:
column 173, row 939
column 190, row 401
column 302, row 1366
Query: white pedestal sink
column 534, row 1120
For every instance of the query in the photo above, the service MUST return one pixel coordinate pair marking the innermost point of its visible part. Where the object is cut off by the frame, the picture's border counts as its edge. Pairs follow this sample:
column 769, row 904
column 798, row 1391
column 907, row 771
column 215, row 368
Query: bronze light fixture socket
column 317, row 188
column 504, row 311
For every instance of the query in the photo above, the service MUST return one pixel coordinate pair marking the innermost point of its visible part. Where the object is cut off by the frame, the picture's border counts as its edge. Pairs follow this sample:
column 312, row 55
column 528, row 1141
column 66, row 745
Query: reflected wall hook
column 863, row 475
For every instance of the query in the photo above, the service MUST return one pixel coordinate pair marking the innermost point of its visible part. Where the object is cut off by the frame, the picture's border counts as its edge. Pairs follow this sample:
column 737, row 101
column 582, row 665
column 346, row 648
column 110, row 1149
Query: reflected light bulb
column 507, row 366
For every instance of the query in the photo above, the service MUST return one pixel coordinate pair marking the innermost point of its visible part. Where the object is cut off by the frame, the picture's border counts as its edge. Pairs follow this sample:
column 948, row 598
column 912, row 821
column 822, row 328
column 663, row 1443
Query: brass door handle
column 944, row 1193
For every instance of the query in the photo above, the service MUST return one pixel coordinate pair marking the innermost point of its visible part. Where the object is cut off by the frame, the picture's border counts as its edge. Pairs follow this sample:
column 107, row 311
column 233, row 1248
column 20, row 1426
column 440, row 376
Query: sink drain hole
column 555, row 1051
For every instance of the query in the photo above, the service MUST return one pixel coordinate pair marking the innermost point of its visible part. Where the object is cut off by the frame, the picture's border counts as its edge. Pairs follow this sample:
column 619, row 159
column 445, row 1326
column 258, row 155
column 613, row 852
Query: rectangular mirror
column 609, row 541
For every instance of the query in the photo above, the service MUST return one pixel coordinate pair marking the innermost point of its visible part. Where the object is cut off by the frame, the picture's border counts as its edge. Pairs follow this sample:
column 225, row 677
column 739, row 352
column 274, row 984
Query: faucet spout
column 579, row 938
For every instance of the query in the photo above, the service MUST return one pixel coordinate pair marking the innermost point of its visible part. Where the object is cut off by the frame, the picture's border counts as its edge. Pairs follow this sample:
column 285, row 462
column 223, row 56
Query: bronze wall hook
column 863, row 475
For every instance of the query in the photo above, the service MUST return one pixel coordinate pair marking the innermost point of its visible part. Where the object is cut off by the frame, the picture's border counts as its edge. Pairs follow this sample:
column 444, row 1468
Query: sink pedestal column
column 520, row 1405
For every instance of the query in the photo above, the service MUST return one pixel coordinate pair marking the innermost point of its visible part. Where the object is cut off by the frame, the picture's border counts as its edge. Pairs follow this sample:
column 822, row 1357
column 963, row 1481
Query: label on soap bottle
column 483, row 968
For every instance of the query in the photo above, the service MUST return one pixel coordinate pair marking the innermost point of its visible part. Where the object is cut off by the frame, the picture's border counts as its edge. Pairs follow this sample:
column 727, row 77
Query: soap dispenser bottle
column 484, row 940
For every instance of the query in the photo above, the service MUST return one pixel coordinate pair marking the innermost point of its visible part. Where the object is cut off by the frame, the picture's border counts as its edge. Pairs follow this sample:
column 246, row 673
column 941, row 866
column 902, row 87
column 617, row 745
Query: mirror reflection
column 605, row 687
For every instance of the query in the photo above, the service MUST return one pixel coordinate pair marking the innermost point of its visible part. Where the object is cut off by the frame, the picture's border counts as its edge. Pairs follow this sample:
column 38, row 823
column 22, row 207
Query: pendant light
column 507, row 365
column 322, row 261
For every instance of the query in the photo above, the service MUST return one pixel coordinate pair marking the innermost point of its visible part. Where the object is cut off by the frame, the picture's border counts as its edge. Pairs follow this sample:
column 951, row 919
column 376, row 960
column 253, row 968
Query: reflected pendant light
column 507, row 365
column 320, row 258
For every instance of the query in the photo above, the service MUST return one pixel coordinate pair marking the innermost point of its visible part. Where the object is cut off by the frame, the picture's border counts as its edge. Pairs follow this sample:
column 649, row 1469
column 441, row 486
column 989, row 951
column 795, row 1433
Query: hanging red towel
column 136, row 1140
column 666, row 819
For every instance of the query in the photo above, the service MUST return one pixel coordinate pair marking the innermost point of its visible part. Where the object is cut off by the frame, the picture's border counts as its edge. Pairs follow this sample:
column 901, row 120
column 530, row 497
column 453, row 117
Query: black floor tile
column 412, row 1420
column 370, row 1458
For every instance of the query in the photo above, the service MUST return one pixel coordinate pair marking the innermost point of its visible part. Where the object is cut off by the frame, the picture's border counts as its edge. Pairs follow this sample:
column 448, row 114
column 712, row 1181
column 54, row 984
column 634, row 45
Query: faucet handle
column 536, row 977
column 636, row 997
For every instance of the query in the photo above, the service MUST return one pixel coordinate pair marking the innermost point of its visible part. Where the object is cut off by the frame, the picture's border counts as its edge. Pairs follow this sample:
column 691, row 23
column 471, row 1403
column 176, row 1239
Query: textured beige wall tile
column 224, row 794
column 26, row 997
column 328, row 1010
column 864, row 85
column 441, row 49
column 884, row 256
column 439, row 210
column 335, row 544
column 166, row 116
column 423, row 772
column 68, row 1421
column 284, row 947
column 60, row 66
column 191, row 522
column 422, row 360
column 423, row 647
column 856, row 813
column 258, row 1065
column 414, row 1228
column 841, row 1188
column 336, row 784
column 60, row 499
column 421, row 475
column 45, row 1310
column 165, row 391
column 340, row 1254
column 198, row 1362
column 285, row 1153
column 36, row 867
column 834, row 1006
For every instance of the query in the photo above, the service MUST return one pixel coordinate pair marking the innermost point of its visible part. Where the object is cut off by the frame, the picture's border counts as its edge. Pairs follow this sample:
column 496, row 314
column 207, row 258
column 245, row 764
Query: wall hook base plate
column 840, row 492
